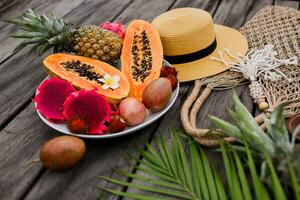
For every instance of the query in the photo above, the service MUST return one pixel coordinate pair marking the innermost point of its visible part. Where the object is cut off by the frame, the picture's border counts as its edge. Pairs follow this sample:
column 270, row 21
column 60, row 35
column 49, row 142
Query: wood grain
column 104, row 155
column 20, row 75
column 23, row 132
column 19, row 78
column 230, row 13
column 291, row 4
column 16, row 8
column 19, row 142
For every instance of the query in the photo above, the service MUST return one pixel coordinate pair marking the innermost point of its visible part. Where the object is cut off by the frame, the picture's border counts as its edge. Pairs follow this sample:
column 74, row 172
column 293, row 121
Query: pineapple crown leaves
column 277, row 129
column 276, row 142
column 245, row 128
column 43, row 32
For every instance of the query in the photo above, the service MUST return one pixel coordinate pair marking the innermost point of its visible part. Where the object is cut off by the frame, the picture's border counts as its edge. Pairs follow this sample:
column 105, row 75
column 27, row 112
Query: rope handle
column 190, row 109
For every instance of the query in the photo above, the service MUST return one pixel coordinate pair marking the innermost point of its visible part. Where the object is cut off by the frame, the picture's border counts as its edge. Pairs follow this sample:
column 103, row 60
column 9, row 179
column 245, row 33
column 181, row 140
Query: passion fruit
column 157, row 94
column 62, row 152
column 132, row 111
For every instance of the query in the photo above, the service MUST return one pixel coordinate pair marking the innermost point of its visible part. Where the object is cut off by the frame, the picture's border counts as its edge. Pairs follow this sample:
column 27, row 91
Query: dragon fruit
column 50, row 98
column 117, row 28
column 87, row 107
column 78, row 125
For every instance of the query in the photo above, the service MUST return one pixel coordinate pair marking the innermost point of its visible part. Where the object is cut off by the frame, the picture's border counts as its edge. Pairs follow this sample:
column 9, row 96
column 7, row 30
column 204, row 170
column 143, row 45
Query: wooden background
column 22, row 132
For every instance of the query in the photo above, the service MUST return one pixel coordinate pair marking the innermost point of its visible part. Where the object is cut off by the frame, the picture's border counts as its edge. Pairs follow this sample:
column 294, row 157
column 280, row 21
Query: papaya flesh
column 85, row 73
column 142, row 56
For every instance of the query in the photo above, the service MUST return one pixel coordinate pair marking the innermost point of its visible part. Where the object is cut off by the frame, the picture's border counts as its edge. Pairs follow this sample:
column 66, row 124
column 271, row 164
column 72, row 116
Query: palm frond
column 169, row 165
column 241, row 174
column 259, row 189
column 294, row 182
column 181, row 170
column 234, row 187
column 277, row 187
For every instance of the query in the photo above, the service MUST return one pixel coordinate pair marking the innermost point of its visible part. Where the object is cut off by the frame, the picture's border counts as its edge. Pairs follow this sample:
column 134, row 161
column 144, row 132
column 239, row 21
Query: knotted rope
column 272, row 25
column 258, row 63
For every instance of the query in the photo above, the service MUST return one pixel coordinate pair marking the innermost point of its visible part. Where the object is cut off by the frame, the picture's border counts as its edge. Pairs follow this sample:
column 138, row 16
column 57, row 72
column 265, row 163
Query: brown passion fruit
column 157, row 94
column 62, row 152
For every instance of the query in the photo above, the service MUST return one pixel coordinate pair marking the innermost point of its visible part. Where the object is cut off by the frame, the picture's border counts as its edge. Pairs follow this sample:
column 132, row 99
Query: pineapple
column 47, row 32
column 275, row 142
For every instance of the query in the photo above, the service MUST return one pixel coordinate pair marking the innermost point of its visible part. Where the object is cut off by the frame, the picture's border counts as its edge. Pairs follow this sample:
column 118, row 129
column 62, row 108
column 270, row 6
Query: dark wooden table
column 23, row 133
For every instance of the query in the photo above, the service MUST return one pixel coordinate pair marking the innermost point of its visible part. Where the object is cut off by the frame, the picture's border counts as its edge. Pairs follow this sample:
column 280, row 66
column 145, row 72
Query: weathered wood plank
column 16, row 141
column 291, row 4
column 172, row 115
column 100, row 157
column 231, row 13
column 21, row 74
column 21, row 141
column 255, row 6
column 9, row 7
column 17, row 7
column 19, row 78
column 64, row 184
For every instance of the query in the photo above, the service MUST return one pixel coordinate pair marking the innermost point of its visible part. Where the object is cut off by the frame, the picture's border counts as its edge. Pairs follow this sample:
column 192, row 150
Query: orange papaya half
column 142, row 56
column 87, row 73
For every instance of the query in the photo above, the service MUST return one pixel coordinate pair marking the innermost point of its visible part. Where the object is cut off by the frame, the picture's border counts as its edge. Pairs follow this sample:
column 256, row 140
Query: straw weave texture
column 279, row 26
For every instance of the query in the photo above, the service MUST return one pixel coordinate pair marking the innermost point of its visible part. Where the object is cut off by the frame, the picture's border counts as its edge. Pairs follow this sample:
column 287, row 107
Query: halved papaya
column 87, row 73
column 142, row 56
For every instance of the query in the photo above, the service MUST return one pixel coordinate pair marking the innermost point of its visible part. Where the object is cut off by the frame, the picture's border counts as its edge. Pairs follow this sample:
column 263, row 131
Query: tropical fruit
column 116, row 124
column 157, row 94
column 142, row 56
column 132, row 111
column 78, row 125
column 170, row 73
column 87, row 73
column 117, row 28
column 50, row 98
column 90, row 110
column 47, row 32
column 62, row 152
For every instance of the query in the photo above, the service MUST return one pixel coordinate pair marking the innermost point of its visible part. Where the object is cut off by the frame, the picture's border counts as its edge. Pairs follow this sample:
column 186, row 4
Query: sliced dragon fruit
column 50, row 98
column 90, row 106
column 117, row 28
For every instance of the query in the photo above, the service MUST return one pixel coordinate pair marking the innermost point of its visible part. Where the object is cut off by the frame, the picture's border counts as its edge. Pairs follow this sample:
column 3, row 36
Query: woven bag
column 279, row 26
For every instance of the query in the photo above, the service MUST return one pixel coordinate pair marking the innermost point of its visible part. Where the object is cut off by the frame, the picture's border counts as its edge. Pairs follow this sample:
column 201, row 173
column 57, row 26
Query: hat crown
column 185, row 30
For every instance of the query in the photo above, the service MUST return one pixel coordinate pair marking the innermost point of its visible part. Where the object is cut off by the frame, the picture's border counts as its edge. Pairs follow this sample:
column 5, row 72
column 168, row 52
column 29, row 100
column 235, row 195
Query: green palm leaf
column 181, row 170
column 230, row 170
column 278, row 190
column 169, row 165
column 294, row 183
column 208, row 174
column 259, row 189
column 219, row 185
column 242, row 176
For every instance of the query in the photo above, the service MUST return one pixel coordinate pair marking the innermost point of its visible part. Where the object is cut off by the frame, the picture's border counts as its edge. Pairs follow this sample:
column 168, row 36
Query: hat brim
column 226, row 38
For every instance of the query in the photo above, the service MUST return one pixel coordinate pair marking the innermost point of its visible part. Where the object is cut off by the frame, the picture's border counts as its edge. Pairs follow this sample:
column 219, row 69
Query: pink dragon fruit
column 50, row 98
column 87, row 107
column 117, row 28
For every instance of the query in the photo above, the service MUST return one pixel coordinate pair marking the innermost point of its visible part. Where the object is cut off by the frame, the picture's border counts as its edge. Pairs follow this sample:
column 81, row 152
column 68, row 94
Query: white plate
column 152, row 117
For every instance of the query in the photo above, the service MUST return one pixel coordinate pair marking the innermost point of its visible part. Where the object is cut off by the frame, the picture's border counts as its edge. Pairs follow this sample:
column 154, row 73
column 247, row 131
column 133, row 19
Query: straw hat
column 190, row 38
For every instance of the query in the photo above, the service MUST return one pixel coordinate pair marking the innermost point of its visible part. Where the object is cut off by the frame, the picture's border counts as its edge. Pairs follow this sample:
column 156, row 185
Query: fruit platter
column 150, row 118
column 103, row 80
